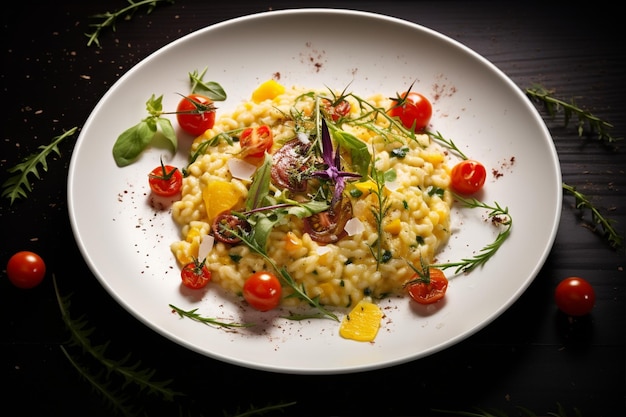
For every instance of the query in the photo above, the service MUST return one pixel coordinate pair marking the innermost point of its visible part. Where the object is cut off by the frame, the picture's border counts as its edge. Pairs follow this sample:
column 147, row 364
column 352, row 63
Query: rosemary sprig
column 18, row 185
column 108, row 19
column 553, row 105
column 447, row 142
column 606, row 225
column 499, row 216
column 191, row 314
column 79, row 336
column 379, row 212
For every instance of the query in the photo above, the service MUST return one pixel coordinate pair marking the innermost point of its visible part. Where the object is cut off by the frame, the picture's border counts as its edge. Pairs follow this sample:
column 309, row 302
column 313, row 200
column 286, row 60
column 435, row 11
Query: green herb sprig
column 191, row 314
column 606, row 225
column 499, row 216
column 108, row 19
column 18, row 185
column 553, row 105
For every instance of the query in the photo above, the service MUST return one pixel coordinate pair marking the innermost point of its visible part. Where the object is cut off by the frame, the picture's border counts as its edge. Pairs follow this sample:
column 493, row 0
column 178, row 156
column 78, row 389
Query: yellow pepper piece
column 365, row 187
column 219, row 196
column 270, row 89
column 394, row 227
column 292, row 242
column 362, row 323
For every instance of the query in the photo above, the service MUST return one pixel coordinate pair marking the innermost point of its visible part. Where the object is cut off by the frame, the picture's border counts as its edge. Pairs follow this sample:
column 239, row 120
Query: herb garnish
column 191, row 314
column 109, row 19
column 500, row 217
column 17, row 186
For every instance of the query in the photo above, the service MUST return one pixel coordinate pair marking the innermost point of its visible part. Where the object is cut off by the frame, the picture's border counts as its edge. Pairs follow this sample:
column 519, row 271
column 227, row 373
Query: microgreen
column 109, row 19
column 586, row 119
column 500, row 217
column 18, row 185
column 333, row 172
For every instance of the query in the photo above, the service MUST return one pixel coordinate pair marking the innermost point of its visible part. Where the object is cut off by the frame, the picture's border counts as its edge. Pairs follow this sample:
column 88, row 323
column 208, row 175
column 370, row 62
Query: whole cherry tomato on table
column 255, row 141
column 413, row 109
column 165, row 180
column 195, row 114
column 468, row 176
column 262, row 290
column 428, row 290
column 26, row 269
column 195, row 274
column 574, row 296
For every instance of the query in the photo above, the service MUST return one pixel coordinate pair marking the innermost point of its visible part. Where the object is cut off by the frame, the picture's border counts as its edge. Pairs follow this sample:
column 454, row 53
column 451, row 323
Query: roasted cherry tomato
column 262, row 290
column 574, row 296
column 195, row 274
column 329, row 226
column 195, row 114
column 255, row 141
column 287, row 164
column 336, row 109
column 468, row 176
column 428, row 290
column 413, row 109
column 223, row 225
column 165, row 180
column 26, row 269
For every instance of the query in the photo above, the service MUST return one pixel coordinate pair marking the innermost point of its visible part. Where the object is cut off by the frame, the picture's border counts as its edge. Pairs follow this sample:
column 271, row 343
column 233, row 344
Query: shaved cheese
column 241, row 169
column 322, row 249
column 205, row 247
column 354, row 226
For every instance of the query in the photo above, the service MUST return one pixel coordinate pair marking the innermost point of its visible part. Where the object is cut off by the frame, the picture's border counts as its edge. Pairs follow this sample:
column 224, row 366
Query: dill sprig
column 108, row 19
column 142, row 378
column 18, row 185
column 553, row 105
column 606, row 225
column 499, row 216
column 191, row 314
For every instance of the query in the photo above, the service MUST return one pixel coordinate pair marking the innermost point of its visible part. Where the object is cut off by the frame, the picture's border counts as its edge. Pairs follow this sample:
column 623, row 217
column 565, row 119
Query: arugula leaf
column 211, row 89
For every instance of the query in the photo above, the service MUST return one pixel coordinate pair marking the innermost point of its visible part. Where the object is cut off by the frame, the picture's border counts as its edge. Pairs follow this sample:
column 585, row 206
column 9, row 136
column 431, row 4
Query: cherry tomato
column 288, row 162
column 413, row 109
column 337, row 109
column 195, row 114
column 165, row 180
column 255, row 141
column 224, row 223
column 26, row 269
column 195, row 274
column 262, row 290
column 574, row 296
column 431, row 291
column 468, row 176
column 329, row 226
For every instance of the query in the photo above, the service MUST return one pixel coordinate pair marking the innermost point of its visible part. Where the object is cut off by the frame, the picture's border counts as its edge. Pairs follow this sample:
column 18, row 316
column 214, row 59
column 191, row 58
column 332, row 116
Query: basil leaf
column 168, row 131
column 132, row 142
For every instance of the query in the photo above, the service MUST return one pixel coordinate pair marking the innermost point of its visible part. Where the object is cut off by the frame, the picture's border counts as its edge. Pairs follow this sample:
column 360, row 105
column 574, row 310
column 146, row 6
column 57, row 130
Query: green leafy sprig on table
column 500, row 217
column 108, row 19
column 586, row 119
column 18, row 185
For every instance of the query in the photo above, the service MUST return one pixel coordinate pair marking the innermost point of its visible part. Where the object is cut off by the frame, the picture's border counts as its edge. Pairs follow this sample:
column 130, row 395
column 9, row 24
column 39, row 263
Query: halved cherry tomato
column 413, row 109
column 428, row 290
column 575, row 296
column 26, row 269
column 195, row 114
column 195, row 274
column 337, row 109
column 262, row 290
column 329, row 226
column 468, row 176
column 288, row 163
column 165, row 180
column 224, row 223
column 255, row 141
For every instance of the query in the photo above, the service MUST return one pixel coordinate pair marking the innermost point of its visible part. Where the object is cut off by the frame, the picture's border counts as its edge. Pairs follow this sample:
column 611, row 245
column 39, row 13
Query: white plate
column 124, row 235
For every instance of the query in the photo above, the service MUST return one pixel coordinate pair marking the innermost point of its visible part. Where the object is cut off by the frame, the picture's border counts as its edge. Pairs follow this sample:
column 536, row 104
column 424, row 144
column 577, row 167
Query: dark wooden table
column 531, row 356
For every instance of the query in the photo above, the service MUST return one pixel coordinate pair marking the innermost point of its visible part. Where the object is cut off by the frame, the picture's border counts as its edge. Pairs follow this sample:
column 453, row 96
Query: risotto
column 393, row 210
